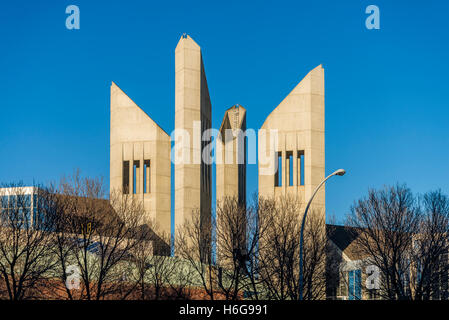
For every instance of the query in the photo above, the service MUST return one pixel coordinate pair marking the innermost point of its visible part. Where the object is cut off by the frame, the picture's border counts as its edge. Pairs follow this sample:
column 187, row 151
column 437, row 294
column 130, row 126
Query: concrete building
column 140, row 150
column 345, row 266
column 231, row 151
column 355, row 273
column 299, row 149
column 140, row 158
column 192, row 118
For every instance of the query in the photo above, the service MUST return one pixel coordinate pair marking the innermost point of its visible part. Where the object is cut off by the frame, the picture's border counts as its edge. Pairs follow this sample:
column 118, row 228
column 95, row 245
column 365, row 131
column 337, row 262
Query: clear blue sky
column 387, row 107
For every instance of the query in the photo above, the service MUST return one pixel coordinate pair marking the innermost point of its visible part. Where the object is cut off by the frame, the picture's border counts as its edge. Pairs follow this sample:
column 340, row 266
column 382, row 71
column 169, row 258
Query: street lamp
column 339, row 172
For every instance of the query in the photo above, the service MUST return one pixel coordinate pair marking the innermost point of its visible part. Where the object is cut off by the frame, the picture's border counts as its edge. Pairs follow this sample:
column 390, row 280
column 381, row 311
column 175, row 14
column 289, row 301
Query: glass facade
column 23, row 211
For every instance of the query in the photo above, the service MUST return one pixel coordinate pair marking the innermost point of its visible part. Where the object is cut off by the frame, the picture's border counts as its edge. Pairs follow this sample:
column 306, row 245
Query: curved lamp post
column 339, row 172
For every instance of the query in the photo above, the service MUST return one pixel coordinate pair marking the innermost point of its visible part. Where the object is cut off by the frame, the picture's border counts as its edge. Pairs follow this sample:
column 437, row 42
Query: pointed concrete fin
column 228, row 119
column 186, row 42
column 241, row 116
column 312, row 83
column 309, row 83
column 119, row 99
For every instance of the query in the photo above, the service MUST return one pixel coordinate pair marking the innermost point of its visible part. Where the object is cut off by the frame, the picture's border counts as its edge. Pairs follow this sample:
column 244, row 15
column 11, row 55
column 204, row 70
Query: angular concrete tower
column 231, row 183
column 231, row 151
column 299, row 120
column 192, row 118
column 140, row 158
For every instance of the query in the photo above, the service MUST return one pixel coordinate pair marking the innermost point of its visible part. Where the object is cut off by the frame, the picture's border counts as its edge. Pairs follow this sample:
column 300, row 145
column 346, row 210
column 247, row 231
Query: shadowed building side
column 300, row 154
column 140, row 158
column 192, row 116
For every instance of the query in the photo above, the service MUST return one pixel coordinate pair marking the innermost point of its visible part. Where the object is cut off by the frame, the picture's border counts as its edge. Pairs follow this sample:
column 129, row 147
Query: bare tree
column 429, row 254
column 279, row 250
column 258, row 250
column 193, row 244
column 231, row 254
column 157, row 274
column 26, row 239
column 234, row 271
column 96, row 237
column 314, row 260
column 257, row 224
column 237, row 235
column 388, row 220
column 142, row 254
column 180, row 280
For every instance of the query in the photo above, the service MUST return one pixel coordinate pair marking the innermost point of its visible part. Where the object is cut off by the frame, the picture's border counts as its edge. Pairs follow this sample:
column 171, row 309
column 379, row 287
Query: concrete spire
column 192, row 111
column 231, row 151
column 299, row 119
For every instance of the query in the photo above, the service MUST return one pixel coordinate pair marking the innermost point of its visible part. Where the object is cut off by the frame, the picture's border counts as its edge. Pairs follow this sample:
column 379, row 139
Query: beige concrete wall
column 299, row 119
column 192, row 105
column 136, row 137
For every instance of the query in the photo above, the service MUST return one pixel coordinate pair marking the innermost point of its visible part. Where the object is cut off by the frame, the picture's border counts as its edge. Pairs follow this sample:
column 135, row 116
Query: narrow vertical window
column 358, row 284
column 278, row 174
column 300, row 168
column 351, row 285
column 355, row 285
column 125, row 177
column 343, row 285
column 136, row 174
column 146, row 176
column 289, row 165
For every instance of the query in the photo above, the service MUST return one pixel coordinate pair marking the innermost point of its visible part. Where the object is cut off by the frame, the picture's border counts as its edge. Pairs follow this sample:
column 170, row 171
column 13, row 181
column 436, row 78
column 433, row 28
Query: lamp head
column 340, row 172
